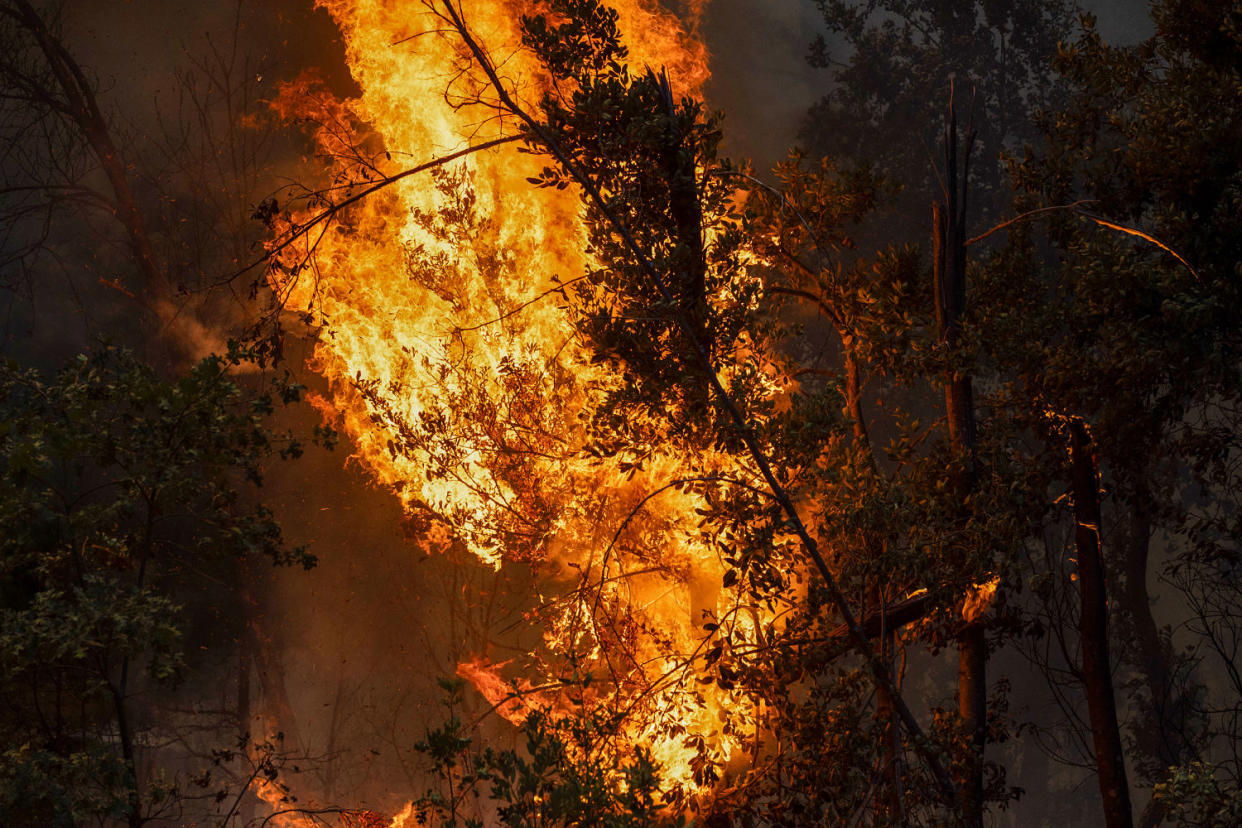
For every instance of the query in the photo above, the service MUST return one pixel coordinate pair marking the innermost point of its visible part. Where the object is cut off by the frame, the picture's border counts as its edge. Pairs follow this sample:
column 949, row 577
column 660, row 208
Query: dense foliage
column 567, row 773
column 125, row 508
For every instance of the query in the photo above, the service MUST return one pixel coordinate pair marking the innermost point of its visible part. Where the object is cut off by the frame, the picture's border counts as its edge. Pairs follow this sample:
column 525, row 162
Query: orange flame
column 461, row 381
column 514, row 703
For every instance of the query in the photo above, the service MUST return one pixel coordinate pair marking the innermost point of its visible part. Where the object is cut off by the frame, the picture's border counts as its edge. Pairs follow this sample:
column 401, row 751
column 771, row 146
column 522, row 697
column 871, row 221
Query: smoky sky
column 763, row 83
column 136, row 46
column 760, row 76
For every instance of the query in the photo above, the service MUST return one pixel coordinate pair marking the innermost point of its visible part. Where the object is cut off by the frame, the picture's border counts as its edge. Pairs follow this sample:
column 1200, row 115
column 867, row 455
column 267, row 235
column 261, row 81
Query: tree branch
column 857, row 634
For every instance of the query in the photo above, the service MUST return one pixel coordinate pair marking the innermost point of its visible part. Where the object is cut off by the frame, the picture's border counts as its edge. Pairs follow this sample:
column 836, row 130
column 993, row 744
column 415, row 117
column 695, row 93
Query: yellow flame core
column 462, row 388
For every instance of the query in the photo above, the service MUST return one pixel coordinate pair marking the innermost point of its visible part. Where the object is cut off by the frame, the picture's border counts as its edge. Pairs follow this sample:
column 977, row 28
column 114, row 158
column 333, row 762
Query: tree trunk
column 1146, row 649
column 133, row 789
column 894, row 808
column 245, row 661
column 949, row 275
column 1093, row 630
column 686, row 210
column 1166, row 734
column 853, row 404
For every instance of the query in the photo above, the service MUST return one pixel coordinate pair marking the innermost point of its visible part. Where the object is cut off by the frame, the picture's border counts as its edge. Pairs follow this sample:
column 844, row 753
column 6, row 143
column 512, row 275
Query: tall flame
column 457, row 373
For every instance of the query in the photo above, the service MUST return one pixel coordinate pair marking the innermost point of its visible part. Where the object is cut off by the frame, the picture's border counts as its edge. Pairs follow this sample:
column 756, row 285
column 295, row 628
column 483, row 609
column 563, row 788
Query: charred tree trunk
column 1148, row 650
column 133, row 788
column 274, row 695
column 1093, row 629
column 678, row 158
column 894, row 806
column 246, row 654
column 679, row 161
column 949, row 255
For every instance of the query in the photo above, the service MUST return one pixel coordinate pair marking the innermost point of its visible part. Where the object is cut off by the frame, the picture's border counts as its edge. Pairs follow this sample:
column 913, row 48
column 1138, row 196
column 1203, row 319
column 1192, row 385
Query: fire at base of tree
column 895, row 485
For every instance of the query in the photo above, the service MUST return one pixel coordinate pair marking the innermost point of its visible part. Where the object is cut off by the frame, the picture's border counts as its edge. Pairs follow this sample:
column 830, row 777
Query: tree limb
column 857, row 634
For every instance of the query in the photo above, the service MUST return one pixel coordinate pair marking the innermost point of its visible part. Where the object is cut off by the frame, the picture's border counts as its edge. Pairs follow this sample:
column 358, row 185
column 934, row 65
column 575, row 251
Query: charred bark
column 1166, row 717
column 949, row 277
column 889, row 619
column 1093, row 630
column 679, row 168
column 1169, row 742
column 678, row 158
column 133, row 791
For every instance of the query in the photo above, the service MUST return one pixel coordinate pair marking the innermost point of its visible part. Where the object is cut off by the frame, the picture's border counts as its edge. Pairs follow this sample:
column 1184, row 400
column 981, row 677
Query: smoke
column 763, row 83
column 1121, row 22
column 760, row 77
column 175, row 83
column 352, row 650
column 362, row 641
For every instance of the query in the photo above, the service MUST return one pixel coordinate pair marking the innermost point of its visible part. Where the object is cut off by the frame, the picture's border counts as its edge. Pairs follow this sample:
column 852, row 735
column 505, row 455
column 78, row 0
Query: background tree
column 890, row 68
column 1130, row 328
column 136, row 221
column 134, row 210
column 52, row 93
column 123, row 499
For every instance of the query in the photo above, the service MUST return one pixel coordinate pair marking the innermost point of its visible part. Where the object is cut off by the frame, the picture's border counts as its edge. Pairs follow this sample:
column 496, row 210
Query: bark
column 874, row 624
column 133, row 793
column 245, row 662
column 274, row 695
column 244, row 807
column 972, row 708
column 949, row 275
column 894, row 807
column 881, row 621
column 1165, row 735
column 1093, row 630
column 678, row 162
column 243, row 688
column 853, row 404
column 678, row 159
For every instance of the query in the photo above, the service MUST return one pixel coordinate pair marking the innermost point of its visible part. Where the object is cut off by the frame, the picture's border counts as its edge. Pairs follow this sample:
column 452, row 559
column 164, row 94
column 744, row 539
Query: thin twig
column 522, row 306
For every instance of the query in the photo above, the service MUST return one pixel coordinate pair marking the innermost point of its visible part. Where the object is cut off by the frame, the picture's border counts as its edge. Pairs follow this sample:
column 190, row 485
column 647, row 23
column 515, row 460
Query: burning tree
column 577, row 342
column 643, row 420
